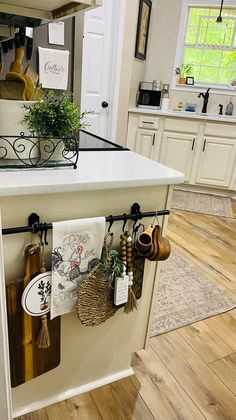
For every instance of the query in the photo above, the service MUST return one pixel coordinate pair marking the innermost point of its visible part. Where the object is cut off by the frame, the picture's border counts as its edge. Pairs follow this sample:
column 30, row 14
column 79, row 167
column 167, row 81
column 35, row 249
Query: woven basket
column 95, row 298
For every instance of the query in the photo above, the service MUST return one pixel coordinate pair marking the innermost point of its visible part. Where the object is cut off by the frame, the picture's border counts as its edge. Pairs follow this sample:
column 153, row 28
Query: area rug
column 216, row 205
column 184, row 296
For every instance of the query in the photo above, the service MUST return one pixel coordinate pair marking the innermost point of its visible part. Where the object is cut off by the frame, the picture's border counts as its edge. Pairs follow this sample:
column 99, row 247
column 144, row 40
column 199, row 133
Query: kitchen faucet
column 205, row 100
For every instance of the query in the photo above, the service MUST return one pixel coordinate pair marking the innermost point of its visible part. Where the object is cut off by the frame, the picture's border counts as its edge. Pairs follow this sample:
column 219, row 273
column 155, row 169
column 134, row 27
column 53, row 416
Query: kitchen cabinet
column 177, row 152
column 144, row 142
column 216, row 162
column 204, row 151
column 106, row 182
column 144, row 136
column 45, row 10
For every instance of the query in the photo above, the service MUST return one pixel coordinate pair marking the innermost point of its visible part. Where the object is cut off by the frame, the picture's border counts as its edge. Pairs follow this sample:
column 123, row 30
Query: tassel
column 43, row 340
column 131, row 304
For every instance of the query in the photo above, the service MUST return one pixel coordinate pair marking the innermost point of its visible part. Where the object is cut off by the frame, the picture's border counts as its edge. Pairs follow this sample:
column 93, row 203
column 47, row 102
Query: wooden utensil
column 27, row 361
column 29, row 71
column 16, row 65
column 12, row 90
column 30, row 87
column 144, row 240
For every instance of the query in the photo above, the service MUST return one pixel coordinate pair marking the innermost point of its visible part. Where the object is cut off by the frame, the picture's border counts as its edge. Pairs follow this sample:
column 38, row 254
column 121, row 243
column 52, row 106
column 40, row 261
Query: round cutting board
column 36, row 298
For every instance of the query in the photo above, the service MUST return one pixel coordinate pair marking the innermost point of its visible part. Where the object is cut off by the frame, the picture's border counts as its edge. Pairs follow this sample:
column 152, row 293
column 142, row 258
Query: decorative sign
column 36, row 298
column 121, row 290
column 53, row 68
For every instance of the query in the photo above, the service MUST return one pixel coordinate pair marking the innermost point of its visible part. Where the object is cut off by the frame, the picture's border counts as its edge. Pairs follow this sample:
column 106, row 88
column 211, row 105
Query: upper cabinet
column 42, row 9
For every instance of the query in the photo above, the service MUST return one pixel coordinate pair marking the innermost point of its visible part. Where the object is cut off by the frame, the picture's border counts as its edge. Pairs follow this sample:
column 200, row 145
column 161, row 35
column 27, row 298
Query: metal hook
column 45, row 233
column 125, row 221
column 111, row 223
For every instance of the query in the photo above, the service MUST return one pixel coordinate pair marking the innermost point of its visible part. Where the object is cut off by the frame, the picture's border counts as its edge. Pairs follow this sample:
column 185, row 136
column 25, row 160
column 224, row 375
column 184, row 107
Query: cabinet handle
column 193, row 143
column 147, row 122
column 204, row 146
column 153, row 139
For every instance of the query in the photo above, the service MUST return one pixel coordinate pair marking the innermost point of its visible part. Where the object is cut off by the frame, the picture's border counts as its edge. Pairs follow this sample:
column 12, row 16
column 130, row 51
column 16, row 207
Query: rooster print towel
column 77, row 247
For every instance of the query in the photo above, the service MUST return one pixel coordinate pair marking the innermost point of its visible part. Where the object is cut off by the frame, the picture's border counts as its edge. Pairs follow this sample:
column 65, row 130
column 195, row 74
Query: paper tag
column 29, row 32
column 56, row 33
column 121, row 290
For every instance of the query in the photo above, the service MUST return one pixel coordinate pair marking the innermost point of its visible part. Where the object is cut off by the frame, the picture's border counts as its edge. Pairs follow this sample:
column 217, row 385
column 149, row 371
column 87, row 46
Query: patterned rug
column 184, row 296
column 216, row 205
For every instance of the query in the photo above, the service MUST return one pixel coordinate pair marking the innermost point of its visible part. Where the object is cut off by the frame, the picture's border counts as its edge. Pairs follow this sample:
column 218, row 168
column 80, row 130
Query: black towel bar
column 34, row 225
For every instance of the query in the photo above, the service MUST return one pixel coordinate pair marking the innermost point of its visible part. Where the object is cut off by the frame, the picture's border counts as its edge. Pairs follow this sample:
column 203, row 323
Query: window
column 210, row 46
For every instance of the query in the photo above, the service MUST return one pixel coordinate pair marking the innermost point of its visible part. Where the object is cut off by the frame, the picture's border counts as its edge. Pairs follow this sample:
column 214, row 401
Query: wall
column 40, row 38
column 159, row 65
column 132, row 70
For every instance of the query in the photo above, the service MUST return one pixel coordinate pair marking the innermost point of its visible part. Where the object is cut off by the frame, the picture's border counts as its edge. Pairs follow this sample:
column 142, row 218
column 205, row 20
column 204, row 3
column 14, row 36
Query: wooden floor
column 186, row 374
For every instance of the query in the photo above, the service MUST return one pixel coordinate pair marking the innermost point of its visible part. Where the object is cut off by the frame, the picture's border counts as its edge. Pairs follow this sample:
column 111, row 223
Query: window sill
column 218, row 90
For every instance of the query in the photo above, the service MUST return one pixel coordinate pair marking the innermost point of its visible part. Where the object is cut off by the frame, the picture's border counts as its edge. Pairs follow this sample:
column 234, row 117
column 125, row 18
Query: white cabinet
column 144, row 142
column 216, row 162
column 204, row 151
column 144, row 135
column 177, row 152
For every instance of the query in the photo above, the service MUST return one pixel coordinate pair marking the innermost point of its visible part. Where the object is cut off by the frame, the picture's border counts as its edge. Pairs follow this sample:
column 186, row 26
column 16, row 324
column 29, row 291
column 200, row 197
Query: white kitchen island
column 105, row 183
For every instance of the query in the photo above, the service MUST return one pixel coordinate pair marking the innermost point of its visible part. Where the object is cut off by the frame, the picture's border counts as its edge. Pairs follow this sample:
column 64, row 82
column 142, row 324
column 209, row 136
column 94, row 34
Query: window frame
column 199, row 87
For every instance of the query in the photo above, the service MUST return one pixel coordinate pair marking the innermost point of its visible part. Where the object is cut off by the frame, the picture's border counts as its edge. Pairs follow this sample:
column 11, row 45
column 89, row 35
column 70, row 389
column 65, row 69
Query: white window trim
column 221, row 90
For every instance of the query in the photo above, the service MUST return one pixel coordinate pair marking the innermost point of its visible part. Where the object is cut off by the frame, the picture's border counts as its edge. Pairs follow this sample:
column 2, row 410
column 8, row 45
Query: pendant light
column 219, row 19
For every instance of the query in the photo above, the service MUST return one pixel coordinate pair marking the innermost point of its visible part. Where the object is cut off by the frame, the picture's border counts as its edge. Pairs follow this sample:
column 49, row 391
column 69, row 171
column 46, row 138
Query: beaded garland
column 126, row 257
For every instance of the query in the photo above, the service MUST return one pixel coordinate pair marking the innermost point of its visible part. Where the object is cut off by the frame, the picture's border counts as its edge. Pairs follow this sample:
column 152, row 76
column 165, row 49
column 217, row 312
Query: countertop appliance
column 149, row 95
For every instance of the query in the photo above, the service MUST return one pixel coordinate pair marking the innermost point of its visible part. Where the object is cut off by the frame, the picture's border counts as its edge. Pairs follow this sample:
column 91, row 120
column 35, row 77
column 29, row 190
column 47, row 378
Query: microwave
column 149, row 95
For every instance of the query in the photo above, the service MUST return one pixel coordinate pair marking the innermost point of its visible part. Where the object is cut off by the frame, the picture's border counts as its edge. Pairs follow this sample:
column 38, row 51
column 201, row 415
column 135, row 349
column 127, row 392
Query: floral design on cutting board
column 44, row 293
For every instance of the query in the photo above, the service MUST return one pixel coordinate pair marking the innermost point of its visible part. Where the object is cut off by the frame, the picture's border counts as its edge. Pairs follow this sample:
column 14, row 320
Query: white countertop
column 96, row 171
column 185, row 114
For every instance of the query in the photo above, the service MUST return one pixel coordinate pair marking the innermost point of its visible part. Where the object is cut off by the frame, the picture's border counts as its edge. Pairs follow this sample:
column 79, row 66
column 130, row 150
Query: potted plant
column 57, row 119
column 184, row 71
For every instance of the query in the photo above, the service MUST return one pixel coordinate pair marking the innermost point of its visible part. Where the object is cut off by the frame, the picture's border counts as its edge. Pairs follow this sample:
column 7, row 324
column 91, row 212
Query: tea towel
column 77, row 247
column 53, row 68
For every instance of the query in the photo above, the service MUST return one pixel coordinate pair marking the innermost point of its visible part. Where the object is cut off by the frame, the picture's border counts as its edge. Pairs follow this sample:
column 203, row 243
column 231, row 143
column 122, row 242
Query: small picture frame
column 189, row 80
column 144, row 15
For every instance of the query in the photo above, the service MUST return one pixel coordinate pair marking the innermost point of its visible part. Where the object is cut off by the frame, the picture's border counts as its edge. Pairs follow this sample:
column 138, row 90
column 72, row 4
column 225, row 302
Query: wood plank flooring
column 186, row 374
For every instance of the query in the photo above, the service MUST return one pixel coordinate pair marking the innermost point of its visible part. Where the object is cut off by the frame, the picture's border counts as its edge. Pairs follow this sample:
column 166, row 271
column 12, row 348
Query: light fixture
column 219, row 19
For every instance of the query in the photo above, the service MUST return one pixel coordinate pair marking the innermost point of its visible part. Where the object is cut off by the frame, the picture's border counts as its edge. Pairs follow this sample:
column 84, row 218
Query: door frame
column 118, row 17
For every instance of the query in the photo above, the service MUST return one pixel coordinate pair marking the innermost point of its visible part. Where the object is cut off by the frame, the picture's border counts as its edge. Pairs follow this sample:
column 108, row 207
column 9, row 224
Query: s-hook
column 111, row 223
column 125, row 221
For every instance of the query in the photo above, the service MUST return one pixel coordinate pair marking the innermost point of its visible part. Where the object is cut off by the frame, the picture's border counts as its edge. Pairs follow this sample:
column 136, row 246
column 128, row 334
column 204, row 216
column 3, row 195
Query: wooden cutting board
column 26, row 360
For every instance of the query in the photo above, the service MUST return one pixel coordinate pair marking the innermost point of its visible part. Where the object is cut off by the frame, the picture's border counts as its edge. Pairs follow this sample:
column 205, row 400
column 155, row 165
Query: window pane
column 194, row 15
column 191, row 36
column 193, row 56
column 226, row 75
column 211, row 46
column 228, row 59
column 211, row 58
column 208, row 74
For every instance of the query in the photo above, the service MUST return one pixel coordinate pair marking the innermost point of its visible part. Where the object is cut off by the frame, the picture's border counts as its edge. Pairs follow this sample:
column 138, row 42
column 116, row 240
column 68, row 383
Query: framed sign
column 144, row 14
column 189, row 80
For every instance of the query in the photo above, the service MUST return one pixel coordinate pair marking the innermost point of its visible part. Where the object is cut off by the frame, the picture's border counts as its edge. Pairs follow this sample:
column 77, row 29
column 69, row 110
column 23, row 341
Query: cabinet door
column 216, row 163
column 145, row 140
column 177, row 152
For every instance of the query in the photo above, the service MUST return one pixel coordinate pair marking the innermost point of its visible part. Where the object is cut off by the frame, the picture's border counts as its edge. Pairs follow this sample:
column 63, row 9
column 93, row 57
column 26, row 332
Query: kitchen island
column 105, row 183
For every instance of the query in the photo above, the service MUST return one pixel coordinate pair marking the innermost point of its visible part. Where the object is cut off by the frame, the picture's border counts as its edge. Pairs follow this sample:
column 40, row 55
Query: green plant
column 54, row 116
column 184, row 70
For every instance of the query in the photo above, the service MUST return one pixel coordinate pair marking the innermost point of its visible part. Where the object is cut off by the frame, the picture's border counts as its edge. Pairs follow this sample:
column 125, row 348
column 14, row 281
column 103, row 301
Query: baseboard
column 37, row 405
column 206, row 190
